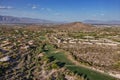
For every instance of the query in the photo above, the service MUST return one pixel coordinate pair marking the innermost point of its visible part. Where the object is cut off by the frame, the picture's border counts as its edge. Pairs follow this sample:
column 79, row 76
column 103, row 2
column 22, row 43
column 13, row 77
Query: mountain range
column 102, row 22
column 19, row 20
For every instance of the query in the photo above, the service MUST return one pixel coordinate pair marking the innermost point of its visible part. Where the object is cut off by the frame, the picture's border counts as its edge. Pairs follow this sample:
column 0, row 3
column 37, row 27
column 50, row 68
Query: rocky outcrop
column 4, row 59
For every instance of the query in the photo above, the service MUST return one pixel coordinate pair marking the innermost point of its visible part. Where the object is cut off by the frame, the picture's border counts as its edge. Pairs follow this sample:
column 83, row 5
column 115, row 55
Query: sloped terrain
column 27, row 59
column 52, row 53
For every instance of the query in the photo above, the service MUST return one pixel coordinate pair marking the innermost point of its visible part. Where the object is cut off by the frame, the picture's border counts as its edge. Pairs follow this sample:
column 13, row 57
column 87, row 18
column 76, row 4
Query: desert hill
column 75, row 26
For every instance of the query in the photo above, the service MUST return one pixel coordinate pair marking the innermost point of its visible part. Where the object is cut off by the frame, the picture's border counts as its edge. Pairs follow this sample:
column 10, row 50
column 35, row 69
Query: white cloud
column 46, row 9
column 34, row 7
column 42, row 8
column 98, row 14
column 6, row 7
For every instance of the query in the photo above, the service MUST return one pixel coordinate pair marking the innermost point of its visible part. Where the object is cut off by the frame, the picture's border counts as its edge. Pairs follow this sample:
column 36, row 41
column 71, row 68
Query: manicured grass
column 92, row 75
column 61, row 57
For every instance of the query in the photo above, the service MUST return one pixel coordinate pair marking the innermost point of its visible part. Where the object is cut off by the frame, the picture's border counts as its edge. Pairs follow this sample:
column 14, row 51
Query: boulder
column 4, row 59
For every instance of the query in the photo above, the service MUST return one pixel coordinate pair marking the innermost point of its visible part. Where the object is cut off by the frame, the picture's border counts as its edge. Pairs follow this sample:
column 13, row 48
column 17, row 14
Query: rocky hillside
column 75, row 26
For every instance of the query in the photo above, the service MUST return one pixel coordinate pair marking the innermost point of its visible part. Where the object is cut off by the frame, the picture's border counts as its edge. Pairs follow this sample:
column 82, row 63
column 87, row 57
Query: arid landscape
column 59, row 39
column 71, row 51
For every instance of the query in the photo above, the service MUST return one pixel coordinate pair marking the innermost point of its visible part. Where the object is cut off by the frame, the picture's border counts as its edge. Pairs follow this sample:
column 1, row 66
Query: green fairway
column 61, row 57
column 92, row 75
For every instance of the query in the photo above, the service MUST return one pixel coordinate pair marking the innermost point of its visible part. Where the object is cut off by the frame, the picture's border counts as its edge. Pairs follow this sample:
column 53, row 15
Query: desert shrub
column 54, row 66
column 61, row 77
column 60, row 64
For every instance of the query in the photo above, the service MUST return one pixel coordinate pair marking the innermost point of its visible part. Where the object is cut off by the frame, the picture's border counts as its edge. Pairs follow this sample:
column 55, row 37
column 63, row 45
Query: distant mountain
column 102, row 22
column 15, row 20
column 75, row 26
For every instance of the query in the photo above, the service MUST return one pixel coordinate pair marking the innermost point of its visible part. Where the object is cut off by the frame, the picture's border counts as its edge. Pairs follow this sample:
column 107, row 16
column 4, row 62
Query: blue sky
column 62, row 10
